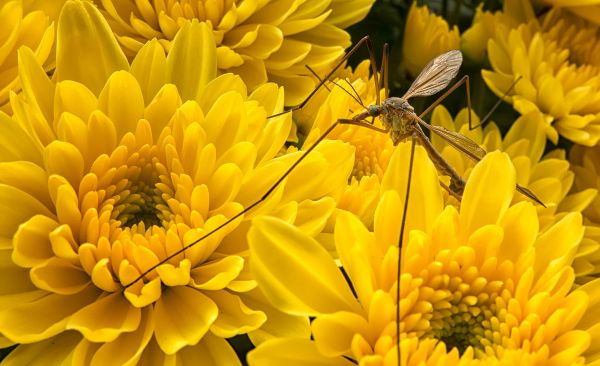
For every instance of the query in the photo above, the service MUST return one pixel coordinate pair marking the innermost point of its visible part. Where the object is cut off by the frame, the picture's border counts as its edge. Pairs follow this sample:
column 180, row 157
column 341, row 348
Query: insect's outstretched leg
column 463, row 80
column 401, row 239
column 364, row 40
column 384, row 71
column 354, row 96
column 497, row 104
column 264, row 196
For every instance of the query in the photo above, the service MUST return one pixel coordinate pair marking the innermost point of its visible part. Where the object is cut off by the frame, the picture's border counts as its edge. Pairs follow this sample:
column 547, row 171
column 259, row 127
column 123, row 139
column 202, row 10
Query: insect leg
column 457, row 184
column 364, row 40
column 401, row 239
column 497, row 104
column 250, row 207
column 463, row 80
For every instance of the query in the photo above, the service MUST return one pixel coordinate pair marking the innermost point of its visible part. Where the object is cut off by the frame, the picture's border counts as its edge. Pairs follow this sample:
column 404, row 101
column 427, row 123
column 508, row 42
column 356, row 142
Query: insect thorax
column 396, row 116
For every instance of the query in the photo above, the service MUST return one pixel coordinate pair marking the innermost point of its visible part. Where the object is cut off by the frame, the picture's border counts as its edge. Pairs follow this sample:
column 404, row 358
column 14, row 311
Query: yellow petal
column 488, row 192
column 105, row 319
column 192, row 61
column 52, row 351
column 150, row 68
column 17, row 207
column 294, row 271
column 235, row 317
column 292, row 352
column 36, row 84
column 212, row 350
column 83, row 31
column 31, row 241
column 216, row 275
column 60, row 276
column 122, row 101
column 183, row 316
column 333, row 333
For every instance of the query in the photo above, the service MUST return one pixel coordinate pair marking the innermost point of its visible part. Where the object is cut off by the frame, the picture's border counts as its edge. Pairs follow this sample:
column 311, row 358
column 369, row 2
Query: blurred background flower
column 108, row 170
column 260, row 41
column 426, row 36
column 587, row 9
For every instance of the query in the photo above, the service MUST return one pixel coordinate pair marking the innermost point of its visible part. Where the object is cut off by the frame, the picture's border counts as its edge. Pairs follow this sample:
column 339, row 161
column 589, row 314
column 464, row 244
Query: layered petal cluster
column 259, row 40
column 586, row 165
column 549, row 176
column 479, row 285
column 111, row 174
column 24, row 23
column 556, row 60
column 426, row 36
column 587, row 9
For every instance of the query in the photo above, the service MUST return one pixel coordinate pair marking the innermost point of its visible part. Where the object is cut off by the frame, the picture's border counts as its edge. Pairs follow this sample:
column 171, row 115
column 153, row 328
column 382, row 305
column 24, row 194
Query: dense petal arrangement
column 587, row 9
column 426, row 36
column 554, row 62
column 260, row 41
column 108, row 173
column 479, row 285
column 24, row 24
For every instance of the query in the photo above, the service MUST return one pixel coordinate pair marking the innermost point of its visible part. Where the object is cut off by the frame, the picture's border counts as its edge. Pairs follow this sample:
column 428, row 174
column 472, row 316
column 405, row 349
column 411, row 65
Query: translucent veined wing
column 436, row 75
column 459, row 141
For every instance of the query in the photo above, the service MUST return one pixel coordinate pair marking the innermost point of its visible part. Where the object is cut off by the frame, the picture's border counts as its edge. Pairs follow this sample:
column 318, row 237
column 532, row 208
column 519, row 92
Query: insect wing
column 459, row 141
column 436, row 75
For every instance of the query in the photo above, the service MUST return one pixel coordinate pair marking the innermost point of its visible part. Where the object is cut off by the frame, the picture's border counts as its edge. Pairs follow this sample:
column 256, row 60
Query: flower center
column 460, row 328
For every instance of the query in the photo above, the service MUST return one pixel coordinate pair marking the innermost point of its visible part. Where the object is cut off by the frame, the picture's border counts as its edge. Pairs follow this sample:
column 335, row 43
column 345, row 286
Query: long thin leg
column 497, row 104
column 463, row 80
column 354, row 96
column 385, row 70
column 364, row 40
column 401, row 239
column 264, row 196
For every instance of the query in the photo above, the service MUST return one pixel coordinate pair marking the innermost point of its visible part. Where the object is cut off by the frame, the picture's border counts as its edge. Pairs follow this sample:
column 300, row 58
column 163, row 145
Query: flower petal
column 83, row 31
column 292, row 352
column 183, row 316
column 294, row 271
column 235, row 317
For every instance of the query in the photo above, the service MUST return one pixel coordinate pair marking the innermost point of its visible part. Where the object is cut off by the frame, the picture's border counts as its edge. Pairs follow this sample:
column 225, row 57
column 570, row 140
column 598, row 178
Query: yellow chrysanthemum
column 479, row 286
column 586, row 165
column 473, row 41
column 108, row 169
column 260, row 41
column 587, row 9
column 426, row 36
column 27, row 24
column 557, row 58
column 549, row 176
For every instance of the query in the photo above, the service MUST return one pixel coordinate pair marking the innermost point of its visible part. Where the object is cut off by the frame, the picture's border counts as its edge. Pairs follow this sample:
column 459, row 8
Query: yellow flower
column 586, row 165
column 478, row 286
column 474, row 40
column 30, row 24
column 549, row 177
column 558, row 59
column 260, row 41
column 109, row 168
column 425, row 37
column 586, row 9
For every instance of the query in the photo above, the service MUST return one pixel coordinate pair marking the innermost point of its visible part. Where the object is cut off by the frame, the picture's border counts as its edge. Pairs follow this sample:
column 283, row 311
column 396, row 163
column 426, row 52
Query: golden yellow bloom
column 473, row 41
column 109, row 168
column 549, row 176
column 587, row 9
column 479, row 286
column 24, row 23
column 260, row 41
column 557, row 58
column 426, row 36
column 586, row 165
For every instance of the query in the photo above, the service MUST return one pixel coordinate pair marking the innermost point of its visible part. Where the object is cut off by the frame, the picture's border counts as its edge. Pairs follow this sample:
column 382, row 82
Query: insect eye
column 373, row 110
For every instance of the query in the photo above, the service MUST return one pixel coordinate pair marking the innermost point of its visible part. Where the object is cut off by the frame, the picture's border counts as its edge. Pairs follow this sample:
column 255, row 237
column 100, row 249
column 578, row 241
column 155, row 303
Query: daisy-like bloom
column 557, row 58
column 586, row 165
column 479, row 285
column 426, row 36
column 32, row 25
column 109, row 169
column 260, row 41
column 549, row 177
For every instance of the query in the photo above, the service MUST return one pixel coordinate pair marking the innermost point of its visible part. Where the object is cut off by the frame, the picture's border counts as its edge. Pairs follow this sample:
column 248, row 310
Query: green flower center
column 459, row 329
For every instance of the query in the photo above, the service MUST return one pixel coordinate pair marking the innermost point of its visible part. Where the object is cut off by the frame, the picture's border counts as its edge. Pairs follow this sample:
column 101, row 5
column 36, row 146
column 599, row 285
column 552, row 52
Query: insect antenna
column 354, row 96
column 401, row 239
